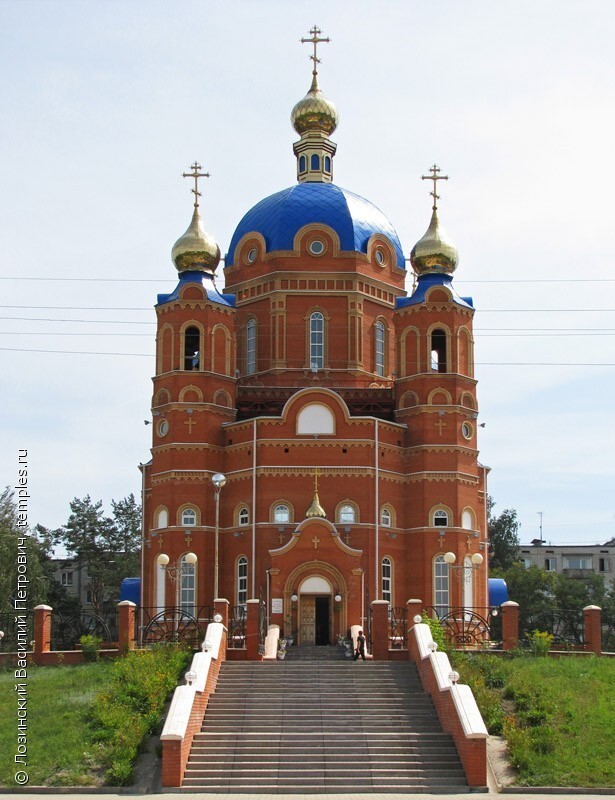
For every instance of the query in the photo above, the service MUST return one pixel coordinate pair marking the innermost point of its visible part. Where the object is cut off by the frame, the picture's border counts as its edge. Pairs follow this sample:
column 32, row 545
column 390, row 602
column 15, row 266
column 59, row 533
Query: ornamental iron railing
column 468, row 627
column 398, row 628
column 67, row 629
column 173, row 624
column 262, row 622
column 236, row 636
column 565, row 625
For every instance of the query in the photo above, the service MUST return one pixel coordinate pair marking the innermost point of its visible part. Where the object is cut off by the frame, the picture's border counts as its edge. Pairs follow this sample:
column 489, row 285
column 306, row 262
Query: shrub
column 540, row 643
column 90, row 647
column 437, row 632
column 131, row 706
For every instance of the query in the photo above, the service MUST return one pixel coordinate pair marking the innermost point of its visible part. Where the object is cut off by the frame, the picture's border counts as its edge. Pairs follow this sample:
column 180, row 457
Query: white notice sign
column 277, row 605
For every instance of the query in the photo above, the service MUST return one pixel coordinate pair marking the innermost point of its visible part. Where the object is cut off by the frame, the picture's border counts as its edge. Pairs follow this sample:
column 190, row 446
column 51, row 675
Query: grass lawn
column 61, row 750
column 557, row 714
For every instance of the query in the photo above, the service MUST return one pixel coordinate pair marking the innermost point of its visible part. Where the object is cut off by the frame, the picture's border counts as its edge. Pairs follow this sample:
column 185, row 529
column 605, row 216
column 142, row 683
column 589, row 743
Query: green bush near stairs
column 131, row 706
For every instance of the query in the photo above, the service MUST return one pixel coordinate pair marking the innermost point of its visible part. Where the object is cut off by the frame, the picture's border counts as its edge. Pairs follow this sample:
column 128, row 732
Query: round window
column 467, row 430
column 380, row 257
column 251, row 256
column 163, row 428
column 316, row 247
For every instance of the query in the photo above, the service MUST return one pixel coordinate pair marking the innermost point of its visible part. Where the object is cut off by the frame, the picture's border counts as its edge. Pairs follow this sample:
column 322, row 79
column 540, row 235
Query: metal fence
column 467, row 627
column 398, row 628
column 172, row 624
column 236, row 636
column 8, row 626
column 67, row 629
column 565, row 625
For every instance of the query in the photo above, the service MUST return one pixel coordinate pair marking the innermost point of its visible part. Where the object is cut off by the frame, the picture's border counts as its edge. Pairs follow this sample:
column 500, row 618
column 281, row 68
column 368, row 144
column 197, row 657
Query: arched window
column 187, row 599
column 243, row 518
column 327, row 164
column 385, row 517
column 188, row 518
column 162, row 518
column 242, row 581
column 251, row 346
column 281, row 513
column 192, row 345
column 438, row 350
column 440, row 519
column 440, row 583
column 314, row 162
column 387, row 580
column 347, row 514
column 317, row 341
column 302, row 164
column 380, row 340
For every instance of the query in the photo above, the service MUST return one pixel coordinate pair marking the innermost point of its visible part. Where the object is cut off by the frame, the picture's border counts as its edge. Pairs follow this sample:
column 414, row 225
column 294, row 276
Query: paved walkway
column 339, row 796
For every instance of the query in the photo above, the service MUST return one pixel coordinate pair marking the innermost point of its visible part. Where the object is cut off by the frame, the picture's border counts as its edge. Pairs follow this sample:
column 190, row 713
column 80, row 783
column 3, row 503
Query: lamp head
column 450, row 558
column 417, row 619
column 163, row 559
column 191, row 558
column 217, row 617
column 476, row 559
column 190, row 677
column 218, row 480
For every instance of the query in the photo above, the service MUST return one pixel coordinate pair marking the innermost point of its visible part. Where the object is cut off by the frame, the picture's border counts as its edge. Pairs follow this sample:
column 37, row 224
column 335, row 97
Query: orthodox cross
column 189, row 422
column 315, row 41
column 188, row 538
column 196, row 175
column 347, row 537
column 316, row 540
column 280, row 538
column 439, row 425
column 435, row 178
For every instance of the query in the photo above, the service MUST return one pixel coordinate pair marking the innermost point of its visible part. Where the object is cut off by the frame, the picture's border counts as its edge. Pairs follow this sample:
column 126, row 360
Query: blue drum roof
column 278, row 218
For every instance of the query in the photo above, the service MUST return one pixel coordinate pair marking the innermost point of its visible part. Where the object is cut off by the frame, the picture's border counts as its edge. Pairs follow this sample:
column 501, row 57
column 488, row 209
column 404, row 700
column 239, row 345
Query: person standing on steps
column 360, row 649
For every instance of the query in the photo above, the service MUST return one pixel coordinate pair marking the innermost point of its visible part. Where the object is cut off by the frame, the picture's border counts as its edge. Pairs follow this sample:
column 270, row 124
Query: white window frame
column 317, row 340
column 441, row 585
column 188, row 523
column 439, row 514
column 386, row 518
column 242, row 581
column 251, row 346
column 380, row 347
column 277, row 516
column 187, row 589
column 387, row 580
column 347, row 515
column 243, row 518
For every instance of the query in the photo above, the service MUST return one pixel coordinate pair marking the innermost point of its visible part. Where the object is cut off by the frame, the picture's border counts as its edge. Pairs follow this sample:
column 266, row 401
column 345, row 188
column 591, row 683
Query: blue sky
column 105, row 104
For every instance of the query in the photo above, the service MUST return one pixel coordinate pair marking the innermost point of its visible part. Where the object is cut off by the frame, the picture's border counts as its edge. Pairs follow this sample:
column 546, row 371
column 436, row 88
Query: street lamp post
column 218, row 480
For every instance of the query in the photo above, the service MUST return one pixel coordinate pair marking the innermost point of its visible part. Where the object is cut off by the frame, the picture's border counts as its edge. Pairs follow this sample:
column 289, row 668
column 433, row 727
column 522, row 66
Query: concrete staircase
column 316, row 726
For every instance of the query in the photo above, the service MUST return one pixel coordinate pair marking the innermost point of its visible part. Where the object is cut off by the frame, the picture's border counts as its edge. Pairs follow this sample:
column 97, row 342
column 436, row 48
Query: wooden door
column 307, row 634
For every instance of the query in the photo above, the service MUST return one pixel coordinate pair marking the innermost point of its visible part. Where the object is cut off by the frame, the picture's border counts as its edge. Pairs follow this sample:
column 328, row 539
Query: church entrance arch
column 311, row 591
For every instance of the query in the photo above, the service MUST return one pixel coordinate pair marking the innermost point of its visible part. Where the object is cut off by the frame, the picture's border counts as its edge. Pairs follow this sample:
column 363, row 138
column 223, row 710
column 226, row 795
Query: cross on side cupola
column 435, row 177
column 195, row 174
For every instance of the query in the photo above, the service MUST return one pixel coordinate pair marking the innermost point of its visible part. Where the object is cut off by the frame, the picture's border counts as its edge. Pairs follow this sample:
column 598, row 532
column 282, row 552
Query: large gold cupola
column 196, row 250
column 434, row 252
column 314, row 118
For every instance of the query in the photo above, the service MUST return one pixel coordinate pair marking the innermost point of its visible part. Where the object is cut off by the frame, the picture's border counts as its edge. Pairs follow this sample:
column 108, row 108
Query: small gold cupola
column 196, row 250
column 434, row 252
column 314, row 118
column 315, row 509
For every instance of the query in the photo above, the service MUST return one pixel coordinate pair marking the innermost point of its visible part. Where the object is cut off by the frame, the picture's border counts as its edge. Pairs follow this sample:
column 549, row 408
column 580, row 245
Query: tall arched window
column 281, row 513
column 187, row 598
column 438, row 350
column 251, row 346
column 380, row 340
column 317, row 341
column 188, row 518
column 192, row 347
column 387, row 580
column 242, row 581
column 347, row 514
column 441, row 585
column 327, row 164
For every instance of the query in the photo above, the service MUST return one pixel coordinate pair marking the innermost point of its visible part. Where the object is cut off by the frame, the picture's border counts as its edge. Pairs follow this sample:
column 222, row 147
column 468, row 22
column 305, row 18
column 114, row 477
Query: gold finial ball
column 314, row 112
column 195, row 249
column 434, row 252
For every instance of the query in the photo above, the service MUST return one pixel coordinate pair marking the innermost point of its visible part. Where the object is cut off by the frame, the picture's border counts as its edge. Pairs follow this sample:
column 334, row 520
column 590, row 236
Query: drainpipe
column 253, row 591
column 377, row 501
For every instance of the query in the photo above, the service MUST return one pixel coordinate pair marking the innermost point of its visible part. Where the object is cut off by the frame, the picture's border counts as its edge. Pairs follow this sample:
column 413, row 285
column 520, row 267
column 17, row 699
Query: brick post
column 126, row 626
column 221, row 607
column 592, row 620
column 510, row 625
column 42, row 632
column 380, row 630
column 252, row 653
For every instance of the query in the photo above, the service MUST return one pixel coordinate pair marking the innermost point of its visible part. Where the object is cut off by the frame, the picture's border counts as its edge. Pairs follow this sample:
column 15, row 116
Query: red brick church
column 336, row 412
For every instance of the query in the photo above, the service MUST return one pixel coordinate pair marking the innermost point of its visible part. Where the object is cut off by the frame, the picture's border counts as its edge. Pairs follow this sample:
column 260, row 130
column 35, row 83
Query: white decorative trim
column 468, row 713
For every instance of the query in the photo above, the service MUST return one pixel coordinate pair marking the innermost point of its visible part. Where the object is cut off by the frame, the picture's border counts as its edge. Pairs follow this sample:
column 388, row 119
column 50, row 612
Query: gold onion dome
column 195, row 249
column 314, row 112
column 434, row 252
column 315, row 509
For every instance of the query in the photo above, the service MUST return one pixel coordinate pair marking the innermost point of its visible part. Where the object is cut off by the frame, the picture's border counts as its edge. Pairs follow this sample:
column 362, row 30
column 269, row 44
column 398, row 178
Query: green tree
column 503, row 537
column 10, row 533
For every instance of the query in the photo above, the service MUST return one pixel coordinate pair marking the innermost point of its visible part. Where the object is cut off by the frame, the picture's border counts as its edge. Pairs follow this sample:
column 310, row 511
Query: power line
column 174, row 278
column 101, row 321
column 69, row 333
column 76, row 352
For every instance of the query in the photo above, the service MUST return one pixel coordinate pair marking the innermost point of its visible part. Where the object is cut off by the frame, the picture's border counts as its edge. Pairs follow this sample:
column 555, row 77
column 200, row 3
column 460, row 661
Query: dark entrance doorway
column 322, row 620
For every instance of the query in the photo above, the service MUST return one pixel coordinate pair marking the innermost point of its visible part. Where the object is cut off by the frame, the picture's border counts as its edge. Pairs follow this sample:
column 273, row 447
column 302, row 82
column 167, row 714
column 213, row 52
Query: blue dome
column 278, row 218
